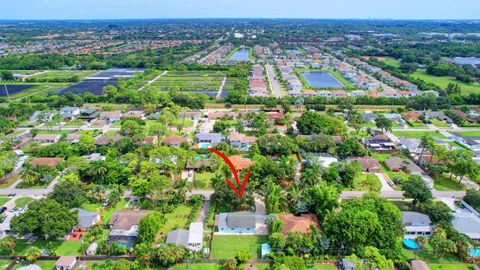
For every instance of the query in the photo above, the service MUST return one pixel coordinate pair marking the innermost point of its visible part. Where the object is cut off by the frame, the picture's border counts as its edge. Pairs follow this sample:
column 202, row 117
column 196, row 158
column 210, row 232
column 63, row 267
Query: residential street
column 277, row 91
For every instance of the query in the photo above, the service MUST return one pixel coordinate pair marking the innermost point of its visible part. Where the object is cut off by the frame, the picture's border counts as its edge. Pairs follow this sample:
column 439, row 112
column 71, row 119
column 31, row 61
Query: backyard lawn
column 63, row 248
column 176, row 220
column 428, row 254
column 197, row 266
column 9, row 181
column 443, row 182
column 203, row 180
column 439, row 123
column 44, row 265
column 469, row 133
column 227, row 246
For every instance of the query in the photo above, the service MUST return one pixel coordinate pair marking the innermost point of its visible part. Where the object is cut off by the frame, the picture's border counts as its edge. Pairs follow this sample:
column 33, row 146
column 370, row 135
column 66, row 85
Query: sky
column 158, row 9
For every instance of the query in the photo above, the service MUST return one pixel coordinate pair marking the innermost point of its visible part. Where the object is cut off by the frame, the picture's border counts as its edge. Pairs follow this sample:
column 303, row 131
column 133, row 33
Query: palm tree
column 182, row 187
column 275, row 198
column 426, row 143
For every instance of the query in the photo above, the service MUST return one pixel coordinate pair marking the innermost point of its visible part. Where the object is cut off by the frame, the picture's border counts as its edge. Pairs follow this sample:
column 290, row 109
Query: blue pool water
column 246, row 148
column 322, row 80
column 474, row 252
column 411, row 244
column 240, row 55
column 204, row 145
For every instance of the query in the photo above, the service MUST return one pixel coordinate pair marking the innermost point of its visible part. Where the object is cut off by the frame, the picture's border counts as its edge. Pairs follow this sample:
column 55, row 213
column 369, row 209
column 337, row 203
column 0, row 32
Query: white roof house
column 191, row 238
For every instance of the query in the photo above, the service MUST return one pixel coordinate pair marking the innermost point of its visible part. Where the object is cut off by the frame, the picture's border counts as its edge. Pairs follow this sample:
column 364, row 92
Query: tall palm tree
column 182, row 187
column 426, row 143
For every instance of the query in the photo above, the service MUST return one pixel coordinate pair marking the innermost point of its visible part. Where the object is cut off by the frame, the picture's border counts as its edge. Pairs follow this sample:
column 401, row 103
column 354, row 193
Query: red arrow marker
column 235, row 174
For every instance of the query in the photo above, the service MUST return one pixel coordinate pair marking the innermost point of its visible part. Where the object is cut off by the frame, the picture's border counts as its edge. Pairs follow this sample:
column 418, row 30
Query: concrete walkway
column 384, row 180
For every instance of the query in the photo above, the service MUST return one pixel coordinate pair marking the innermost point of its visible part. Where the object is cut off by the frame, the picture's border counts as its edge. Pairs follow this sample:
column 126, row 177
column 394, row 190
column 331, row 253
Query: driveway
column 384, row 180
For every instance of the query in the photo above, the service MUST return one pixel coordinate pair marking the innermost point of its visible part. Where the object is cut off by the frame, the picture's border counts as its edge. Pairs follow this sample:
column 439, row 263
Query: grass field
column 367, row 182
column 450, row 266
column 439, row 123
column 196, row 81
column 443, row 82
column 391, row 62
column 21, row 202
column 3, row 200
column 469, row 133
column 428, row 254
column 227, row 246
column 44, row 265
column 202, row 180
column 442, row 182
column 418, row 134
column 197, row 266
column 8, row 182
column 176, row 220
column 63, row 248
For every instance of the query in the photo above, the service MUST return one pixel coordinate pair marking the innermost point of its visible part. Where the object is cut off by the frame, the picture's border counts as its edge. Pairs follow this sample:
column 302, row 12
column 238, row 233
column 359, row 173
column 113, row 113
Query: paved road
column 276, row 90
column 457, row 129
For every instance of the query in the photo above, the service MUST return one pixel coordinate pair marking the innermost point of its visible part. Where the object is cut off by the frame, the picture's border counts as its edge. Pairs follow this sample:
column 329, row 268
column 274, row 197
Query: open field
column 439, row 123
column 202, row 180
column 391, row 62
column 443, row 82
column 60, row 76
column 443, row 182
column 21, row 202
column 227, row 246
column 469, row 133
column 177, row 219
column 196, row 81
column 367, row 182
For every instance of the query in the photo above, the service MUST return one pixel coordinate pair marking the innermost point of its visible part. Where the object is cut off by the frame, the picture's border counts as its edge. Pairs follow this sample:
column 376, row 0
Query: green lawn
column 367, row 182
column 180, row 121
column 428, row 254
column 324, row 267
column 450, row 266
column 443, row 182
column 469, row 133
column 21, row 202
column 93, row 207
column 176, row 220
column 417, row 124
column 381, row 157
column 45, row 265
column 3, row 200
column 63, row 248
column 439, row 123
column 403, row 205
column 227, row 246
column 197, row 266
column 391, row 62
column 203, row 180
column 4, row 263
column 466, row 88
column 418, row 134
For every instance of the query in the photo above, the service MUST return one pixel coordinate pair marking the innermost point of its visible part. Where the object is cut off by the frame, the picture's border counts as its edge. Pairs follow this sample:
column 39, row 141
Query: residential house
column 394, row 164
column 66, row 263
column 239, row 140
column 123, row 226
column 174, row 140
column 106, row 140
column 200, row 164
column 48, row 161
column 436, row 115
column 346, row 264
column 369, row 116
column 150, row 140
column 416, row 224
column 302, row 223
column 42, row 116
column 379, row 143
column 468, row 223
column 393, row 117
column 100, row 123
column 237, row 222
column 412, row 116
column 191, row 238
column 240, row 163
column 410, row 144
column 86, row 219
column 73, row 138
column 110, row 116
column 47, row 138
column 369, row 164
column 324, row 159
column 138, row 114
column 192, row 115
column 209, row 138
column 69, row 112
column 88, row 114
column 94, row 157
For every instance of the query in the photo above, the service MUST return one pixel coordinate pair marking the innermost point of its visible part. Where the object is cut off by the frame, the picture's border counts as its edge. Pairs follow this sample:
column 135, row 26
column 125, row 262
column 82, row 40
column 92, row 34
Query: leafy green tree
column 416, row 189
column 322, row 198
column 438, row 212
column 375, row 260
column 32, row 253
column 86, row 144
column 357, row 122
column 314, row 123
column 383, row 123
column 168, row 254
column 243, row 256
column 351, row 147
column 441, row 244
column 45, row 217
column 69, row 191
column 149, row 227
column 230, row 264
column 8, row 244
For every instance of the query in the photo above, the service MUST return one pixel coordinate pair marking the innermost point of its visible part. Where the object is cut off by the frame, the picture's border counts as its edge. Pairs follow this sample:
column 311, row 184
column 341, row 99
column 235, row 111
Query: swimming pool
column 411, row 244
column 204, row 145
column 474, row 252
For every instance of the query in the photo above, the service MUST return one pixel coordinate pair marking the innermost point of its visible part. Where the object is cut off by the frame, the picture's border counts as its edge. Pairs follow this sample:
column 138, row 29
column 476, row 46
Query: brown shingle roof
column 125, row 219
column 51, row 162
column 298, row 224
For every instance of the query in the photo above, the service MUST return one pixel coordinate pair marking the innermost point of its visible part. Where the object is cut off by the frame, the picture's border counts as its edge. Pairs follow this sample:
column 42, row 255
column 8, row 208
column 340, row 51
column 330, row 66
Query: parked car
column 3, row 209
column 391, row 183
